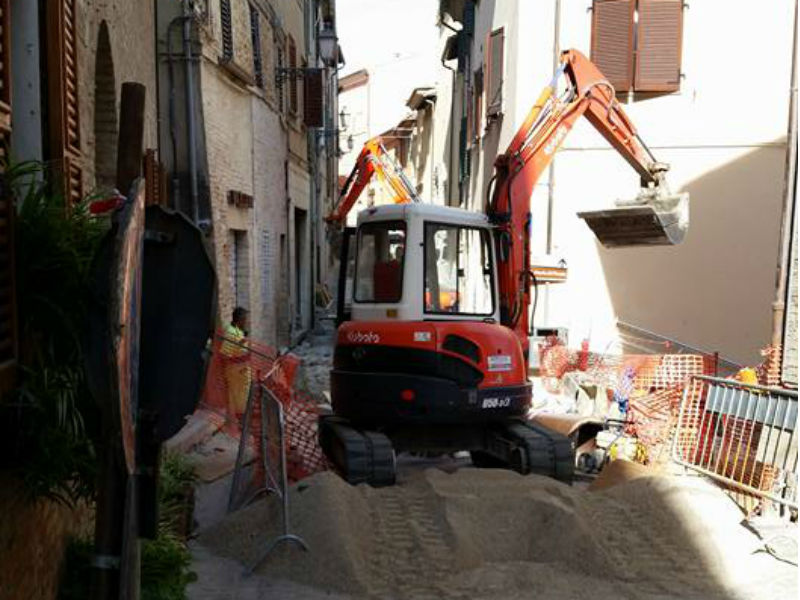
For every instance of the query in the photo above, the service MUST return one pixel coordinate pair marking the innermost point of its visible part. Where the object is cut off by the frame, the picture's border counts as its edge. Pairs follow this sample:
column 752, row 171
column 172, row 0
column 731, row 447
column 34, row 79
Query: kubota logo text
column 363, row 337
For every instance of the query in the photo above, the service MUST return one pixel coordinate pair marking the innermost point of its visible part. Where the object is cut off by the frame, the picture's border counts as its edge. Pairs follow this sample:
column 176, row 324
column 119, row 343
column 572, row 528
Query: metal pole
column 190, row 109
column 779, row 306
column 551, row 176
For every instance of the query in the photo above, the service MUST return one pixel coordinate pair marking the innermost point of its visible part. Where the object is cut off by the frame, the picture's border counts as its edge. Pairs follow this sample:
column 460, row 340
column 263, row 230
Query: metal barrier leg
column 272, row 413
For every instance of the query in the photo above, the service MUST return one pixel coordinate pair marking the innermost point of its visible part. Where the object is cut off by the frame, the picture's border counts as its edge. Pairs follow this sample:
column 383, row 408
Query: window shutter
column 255, row 33
column 62, row 80
column 658, row 41
column 8, row 320
column 312, row 98
column 612, row 41
column 281, row 63
column 292, row 78
column 227, row 29
column 494, row 65
column 477, row 109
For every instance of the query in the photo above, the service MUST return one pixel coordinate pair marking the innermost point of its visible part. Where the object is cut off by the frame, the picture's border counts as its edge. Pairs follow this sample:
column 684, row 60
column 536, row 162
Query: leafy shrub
column 50, row 420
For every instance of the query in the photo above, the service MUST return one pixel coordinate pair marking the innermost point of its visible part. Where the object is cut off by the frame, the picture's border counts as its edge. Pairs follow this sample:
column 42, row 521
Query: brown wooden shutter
column 292, row 78
column 227, row 29
column 494, row 76
column 312, row 98
column 155, row 180
column 62, row 81
column 477, row 107
column 8, row 312
column 255, row 32
column 658, row 46
column 612, row 41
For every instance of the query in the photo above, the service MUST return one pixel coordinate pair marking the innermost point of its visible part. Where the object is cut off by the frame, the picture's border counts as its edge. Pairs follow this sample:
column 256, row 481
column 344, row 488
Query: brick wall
column 131, row 27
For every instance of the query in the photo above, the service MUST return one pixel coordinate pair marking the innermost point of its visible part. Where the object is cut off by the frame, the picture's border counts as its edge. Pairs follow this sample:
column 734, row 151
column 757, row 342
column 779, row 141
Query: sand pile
column 495, row 534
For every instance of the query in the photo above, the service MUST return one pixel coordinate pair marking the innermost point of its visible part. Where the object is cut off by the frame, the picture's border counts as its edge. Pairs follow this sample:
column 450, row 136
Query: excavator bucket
column 653, row 223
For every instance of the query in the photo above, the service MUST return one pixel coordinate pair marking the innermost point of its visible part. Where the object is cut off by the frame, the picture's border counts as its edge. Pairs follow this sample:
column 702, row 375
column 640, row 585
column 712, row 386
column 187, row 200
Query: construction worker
column 236, row 361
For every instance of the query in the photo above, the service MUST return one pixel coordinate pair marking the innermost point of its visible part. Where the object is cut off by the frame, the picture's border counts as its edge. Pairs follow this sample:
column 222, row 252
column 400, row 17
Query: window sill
column 236, row 71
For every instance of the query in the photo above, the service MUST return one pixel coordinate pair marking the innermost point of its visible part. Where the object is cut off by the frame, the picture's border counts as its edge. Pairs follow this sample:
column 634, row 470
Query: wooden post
column 116, row 561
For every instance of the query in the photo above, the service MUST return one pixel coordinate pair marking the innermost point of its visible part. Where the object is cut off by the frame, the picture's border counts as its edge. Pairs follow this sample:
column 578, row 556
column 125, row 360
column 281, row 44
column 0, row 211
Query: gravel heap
column 479, row 533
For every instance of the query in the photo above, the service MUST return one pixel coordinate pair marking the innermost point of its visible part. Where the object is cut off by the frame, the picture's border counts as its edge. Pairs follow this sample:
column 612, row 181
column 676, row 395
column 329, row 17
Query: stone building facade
column 261, row 173
column 69, row 60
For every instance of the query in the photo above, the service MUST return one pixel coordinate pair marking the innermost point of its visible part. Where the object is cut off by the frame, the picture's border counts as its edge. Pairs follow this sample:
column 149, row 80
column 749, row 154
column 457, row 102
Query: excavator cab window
column 458, row 270
column 379, row 261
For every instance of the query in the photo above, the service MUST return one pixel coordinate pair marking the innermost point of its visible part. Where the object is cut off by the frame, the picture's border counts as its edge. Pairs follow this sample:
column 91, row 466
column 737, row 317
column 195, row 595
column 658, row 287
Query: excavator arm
column 654, row 217
column 375, row 160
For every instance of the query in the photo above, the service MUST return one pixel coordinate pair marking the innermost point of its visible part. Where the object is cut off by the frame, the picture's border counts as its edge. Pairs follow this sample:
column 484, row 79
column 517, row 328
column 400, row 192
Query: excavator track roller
column 531, row 449
column 360, row 456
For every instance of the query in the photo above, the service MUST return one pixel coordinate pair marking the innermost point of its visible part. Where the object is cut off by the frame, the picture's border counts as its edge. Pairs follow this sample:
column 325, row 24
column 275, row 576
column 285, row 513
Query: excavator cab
column 661, row 222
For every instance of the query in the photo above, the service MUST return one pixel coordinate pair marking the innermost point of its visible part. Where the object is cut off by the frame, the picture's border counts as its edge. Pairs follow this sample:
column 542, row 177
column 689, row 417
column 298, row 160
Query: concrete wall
column 724, row 135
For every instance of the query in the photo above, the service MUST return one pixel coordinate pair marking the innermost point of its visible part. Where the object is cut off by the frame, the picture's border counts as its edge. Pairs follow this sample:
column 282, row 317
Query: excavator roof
column 429, row 212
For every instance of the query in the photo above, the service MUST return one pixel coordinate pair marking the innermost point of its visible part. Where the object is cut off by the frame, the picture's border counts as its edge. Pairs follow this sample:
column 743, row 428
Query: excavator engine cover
column 664, row 224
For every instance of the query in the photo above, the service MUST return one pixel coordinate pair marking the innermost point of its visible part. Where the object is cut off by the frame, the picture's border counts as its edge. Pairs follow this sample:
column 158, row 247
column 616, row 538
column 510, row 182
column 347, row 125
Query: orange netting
column 236, row 366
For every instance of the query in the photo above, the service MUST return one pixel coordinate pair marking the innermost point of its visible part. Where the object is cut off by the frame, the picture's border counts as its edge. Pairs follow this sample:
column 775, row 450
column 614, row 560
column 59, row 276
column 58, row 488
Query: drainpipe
column 551, row 177
column 191, row 125
column 779, row 306
column 432, row 104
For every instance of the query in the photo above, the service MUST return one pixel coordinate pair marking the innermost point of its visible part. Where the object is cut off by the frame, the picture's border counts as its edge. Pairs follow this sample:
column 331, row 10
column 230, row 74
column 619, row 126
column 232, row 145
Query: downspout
column 787, row 221
column 450, row 137
column 432, row 104
column 551, row 176
column 191, row 125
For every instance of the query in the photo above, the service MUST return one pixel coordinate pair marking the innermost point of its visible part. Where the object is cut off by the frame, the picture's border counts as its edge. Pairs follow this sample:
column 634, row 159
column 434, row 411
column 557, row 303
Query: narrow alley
column 391, row 300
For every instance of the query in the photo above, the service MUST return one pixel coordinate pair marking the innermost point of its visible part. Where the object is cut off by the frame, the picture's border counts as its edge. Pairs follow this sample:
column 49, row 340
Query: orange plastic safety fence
column 236, row 366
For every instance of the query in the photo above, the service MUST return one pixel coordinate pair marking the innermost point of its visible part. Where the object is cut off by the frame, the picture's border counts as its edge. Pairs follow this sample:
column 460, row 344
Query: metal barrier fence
column 272, row 458
column 235, row 369
column 741, row 435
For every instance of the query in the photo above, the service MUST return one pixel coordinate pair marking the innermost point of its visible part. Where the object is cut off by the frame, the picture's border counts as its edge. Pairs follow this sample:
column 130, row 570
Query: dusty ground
column 479, row 534
column 462, row 533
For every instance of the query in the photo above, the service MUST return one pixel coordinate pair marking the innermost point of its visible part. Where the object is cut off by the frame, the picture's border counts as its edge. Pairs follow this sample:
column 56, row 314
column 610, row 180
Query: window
column 637, row 43
column 227, row 29
column 312, row 98
column 458, row 270
column 494, row 72
column 255, row 32
column 281, row 95
column 379, row 261
column 476, row 116
column 292, row 79
column 240, row 269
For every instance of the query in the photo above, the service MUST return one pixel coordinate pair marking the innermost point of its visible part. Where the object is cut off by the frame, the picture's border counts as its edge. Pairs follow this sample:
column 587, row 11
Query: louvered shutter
column 312, row 98
column 612, row 41
column 494, row 75
column 255, row 32
column 227, row 29
column 292, row 78
column 658, row 46
column 64, row 115
column 477, row 105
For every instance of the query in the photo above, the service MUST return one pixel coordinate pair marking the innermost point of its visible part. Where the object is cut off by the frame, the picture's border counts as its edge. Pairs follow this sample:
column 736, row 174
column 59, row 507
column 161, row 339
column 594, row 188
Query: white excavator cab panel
column 417, row 262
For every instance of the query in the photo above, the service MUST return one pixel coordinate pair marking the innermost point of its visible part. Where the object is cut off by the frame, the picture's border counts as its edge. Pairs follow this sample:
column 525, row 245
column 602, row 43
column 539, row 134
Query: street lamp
column 328, row 45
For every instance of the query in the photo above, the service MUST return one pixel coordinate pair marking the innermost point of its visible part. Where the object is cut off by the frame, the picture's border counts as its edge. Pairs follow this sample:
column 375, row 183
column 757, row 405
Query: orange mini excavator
column 433, row 356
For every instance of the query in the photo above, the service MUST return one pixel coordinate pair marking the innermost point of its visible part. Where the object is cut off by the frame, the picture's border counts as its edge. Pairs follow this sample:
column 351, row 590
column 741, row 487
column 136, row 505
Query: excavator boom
column 375, row 160
column 654, row 217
